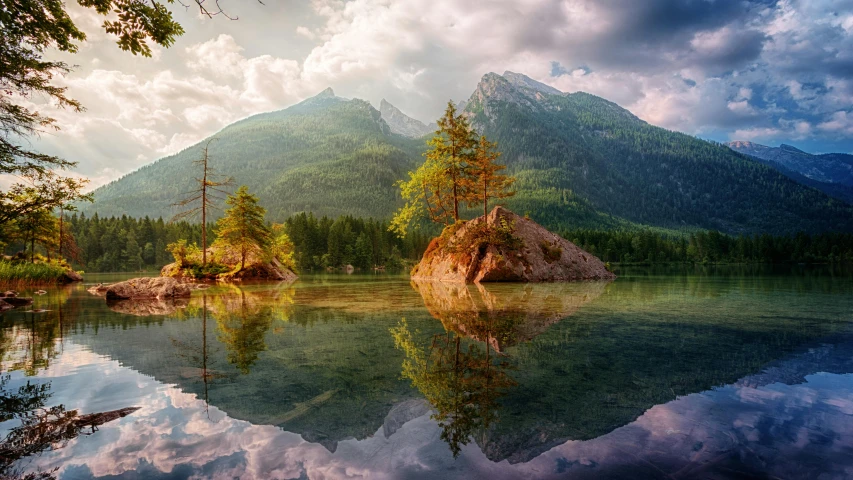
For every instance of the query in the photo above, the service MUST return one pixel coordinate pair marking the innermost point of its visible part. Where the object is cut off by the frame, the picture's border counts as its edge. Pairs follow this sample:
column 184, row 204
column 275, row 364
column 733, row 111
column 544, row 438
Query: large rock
column 533, row 255
column 71, row 277
column 18, row 301
column 147, row 287
column 254, row 270
column 5, row 306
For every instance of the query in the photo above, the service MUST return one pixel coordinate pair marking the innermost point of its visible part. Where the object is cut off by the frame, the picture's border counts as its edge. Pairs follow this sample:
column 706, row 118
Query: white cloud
column 720, row 69
column 840, row 122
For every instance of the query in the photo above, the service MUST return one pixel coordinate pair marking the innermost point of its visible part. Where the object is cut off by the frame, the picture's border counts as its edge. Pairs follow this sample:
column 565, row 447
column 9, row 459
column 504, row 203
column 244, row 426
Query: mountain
column 328, row 155
column 403, row 124
column 804, row 168
column 826, row 168
column 580, row 162
column 578, row 145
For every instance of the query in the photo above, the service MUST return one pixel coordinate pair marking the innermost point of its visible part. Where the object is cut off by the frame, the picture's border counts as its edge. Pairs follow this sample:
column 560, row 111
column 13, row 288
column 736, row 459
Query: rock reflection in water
column 148, row 307
column 463, row 380
column 504, row 315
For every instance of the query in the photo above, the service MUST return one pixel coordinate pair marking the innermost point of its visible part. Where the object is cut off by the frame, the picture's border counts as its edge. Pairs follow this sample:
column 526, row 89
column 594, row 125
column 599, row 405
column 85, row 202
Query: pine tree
column 443, row 181
column 452, row 148
column 486, row 180
column 243, row 226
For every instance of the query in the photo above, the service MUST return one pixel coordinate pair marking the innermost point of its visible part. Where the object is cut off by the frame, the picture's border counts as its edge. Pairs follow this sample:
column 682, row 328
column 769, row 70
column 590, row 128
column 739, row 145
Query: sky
column 766, row 71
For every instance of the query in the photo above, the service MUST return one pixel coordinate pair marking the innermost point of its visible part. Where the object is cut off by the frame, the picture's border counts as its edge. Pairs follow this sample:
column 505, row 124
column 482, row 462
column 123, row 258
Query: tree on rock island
column 487, row 181
column 243, row 227
column 458, row 168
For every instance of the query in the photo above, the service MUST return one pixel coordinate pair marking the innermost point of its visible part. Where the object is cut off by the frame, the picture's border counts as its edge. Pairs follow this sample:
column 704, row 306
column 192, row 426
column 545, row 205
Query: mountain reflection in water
column 646, row 377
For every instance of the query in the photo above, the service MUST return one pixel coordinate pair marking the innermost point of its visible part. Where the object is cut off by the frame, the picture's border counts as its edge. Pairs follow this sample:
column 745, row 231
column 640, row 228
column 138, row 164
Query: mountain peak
column 790, row 148
column 402, row 124
column 327, row 93
column 523, row 81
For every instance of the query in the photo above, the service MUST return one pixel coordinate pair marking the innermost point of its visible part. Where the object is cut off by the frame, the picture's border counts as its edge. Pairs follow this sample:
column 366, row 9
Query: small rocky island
column 505, row 247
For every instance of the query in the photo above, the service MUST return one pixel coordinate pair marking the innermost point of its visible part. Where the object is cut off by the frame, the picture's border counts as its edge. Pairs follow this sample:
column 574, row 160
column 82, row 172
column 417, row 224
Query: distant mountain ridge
column 403, row 124
column 831, row 173
column 827, row 167
column 579, row 160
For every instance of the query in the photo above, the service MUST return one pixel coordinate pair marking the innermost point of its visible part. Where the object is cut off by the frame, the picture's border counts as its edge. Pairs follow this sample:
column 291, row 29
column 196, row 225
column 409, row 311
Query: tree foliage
column 243, row 227
column 486, row 178
column 459, row 169
column 28, row 31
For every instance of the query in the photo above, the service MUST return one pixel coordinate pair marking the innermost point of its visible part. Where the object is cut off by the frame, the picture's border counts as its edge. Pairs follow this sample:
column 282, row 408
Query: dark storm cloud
column 648, row 35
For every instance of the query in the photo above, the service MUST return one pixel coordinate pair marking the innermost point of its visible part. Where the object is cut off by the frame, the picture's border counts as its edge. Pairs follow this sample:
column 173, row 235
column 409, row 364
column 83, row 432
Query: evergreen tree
column 243, row 226
column 486, row 180
column 443, row 180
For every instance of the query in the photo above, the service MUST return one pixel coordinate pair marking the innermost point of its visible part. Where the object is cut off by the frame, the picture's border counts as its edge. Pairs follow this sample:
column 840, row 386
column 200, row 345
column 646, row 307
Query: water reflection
column 519, row 381
column 461, row 382
column 504, row 315
column 41, row 428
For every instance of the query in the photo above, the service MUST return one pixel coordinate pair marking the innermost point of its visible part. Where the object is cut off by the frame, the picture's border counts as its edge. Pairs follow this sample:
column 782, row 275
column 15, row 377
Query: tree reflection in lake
column 464, row 378
column 41, row 428
column 36, row 339
column 198, row 356
column 461, row 382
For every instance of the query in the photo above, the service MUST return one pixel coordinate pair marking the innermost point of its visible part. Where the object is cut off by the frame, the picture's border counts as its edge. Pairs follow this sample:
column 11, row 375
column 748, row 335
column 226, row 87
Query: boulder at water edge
column 146, row 287
column 504, row 247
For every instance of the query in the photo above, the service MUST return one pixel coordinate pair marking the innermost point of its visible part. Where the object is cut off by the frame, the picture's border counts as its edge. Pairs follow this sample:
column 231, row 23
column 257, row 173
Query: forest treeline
column 646, row 246
column 126, row 244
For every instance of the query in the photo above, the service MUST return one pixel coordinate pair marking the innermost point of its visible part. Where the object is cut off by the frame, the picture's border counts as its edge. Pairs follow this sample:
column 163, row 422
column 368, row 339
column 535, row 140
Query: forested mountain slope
column 328, row 155
column 558, row 144
column 580, row 161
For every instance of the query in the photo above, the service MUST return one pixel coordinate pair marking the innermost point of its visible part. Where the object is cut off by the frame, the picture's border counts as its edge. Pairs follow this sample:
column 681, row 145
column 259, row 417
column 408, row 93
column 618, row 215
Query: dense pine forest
column 126, row 244
column 647, row 247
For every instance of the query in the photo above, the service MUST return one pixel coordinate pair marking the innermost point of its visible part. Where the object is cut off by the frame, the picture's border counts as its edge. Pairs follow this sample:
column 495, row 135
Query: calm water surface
column 660, row 374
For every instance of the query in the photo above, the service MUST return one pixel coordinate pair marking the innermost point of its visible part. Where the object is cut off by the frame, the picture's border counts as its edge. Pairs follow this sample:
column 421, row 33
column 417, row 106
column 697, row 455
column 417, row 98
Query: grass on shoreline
column 30, row 274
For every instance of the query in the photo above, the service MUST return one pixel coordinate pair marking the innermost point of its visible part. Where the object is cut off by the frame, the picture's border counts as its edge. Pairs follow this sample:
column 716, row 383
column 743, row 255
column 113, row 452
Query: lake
column 696, row 372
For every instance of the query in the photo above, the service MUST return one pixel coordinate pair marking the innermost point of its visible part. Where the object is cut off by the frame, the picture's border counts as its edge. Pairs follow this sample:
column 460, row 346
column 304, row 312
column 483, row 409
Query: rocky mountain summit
column 403, row 124
column 504, row 247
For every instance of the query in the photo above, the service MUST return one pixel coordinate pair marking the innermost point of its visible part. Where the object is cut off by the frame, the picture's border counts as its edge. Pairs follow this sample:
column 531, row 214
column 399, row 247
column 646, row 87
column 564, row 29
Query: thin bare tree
column 201, row 199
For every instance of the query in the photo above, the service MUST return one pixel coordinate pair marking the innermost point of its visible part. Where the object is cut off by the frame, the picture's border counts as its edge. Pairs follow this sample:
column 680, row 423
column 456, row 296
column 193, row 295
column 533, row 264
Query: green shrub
column 21, row 273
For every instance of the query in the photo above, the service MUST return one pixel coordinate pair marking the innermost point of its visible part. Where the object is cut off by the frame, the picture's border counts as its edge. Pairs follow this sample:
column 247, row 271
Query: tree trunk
column 204, row 213
column 61, row 214
column 485, row 198
column 455, row 202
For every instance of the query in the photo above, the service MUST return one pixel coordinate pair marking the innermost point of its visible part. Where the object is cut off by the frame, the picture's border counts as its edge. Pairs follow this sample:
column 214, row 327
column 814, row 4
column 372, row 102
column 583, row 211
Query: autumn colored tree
column 443, row 181
column 485, row 175
column 243, row 227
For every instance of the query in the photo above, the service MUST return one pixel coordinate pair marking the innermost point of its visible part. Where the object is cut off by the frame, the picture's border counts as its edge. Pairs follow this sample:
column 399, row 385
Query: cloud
column 774, row 70
column 839, row 122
